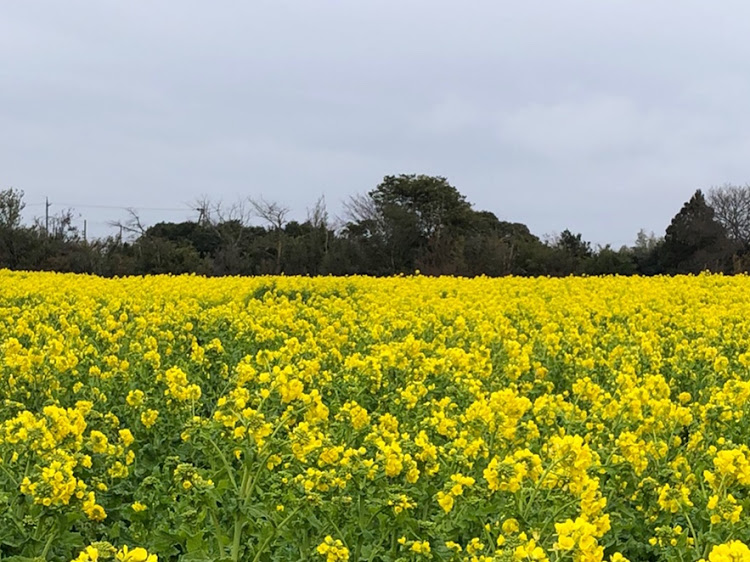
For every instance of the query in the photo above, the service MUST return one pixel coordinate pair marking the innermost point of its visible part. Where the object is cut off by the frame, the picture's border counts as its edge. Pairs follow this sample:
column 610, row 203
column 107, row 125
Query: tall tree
column 695, row 241
column 574, row 245
column 494, row 247
column 731, row 205
column 274, row 214
column 646, row 252
column 415, row 220
column 436, row 205
column 646, row 242
column 11, row 234
column 11, row 207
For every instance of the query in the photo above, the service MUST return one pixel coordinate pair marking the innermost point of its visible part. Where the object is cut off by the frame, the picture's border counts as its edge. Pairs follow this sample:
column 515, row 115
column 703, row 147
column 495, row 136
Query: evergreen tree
column 695, row 241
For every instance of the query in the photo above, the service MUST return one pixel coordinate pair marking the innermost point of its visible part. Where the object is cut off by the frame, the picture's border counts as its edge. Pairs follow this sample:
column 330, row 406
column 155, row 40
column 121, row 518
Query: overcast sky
column 599, row 116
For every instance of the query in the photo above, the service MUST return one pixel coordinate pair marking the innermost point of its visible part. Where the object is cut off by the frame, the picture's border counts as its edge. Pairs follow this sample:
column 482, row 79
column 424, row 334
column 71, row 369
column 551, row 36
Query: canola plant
column 399, row 419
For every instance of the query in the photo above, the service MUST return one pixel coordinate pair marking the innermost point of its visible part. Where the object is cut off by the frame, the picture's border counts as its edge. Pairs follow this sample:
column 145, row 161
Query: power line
column 117, row 207
column 99, row 223
column 113, row 207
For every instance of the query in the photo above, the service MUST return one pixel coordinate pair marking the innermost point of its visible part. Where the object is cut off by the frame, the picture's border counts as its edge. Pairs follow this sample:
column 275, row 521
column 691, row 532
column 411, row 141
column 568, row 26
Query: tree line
column 407, row 223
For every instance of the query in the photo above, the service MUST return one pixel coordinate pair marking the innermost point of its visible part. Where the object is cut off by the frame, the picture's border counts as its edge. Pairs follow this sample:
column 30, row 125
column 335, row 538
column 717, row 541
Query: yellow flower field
column 333, row 419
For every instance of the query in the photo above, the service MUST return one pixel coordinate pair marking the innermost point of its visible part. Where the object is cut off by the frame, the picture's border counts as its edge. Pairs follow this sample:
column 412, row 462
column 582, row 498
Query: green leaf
column 195, row 543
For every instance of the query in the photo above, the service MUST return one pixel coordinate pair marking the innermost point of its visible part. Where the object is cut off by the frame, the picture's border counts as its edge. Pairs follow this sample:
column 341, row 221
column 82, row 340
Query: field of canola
column 334, row 419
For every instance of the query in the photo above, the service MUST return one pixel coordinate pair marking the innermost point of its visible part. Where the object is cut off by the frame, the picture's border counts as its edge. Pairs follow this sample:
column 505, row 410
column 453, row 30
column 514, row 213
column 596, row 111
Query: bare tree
column 275, row 215
column 213, row 213
column 362, row 210
column 359, row 208
column 731, row 205
column 238, row 212
column 230, row 223
column 317, row 216
column 204, row 207
column 272, row 212
column 61, row 226
column 132, row 225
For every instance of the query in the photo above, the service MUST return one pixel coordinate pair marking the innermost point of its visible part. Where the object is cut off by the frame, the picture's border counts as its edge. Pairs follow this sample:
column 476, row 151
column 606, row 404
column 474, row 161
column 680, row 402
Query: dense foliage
column 407, row 223
column 412, row 418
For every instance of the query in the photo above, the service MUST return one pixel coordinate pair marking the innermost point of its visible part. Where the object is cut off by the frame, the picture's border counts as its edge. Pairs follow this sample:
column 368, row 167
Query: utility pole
column 46, row 215
column 84, row 230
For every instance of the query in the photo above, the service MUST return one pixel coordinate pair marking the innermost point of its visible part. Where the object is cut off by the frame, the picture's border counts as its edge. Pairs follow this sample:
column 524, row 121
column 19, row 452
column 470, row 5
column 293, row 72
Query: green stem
column 246, row 492
column 538, row 485
column 227, row 467
column 555, row 514
column 217, row 527
column 692, row 531
column 374, row 515
column 248, row 489
column 12, row 479
column 238, row 526
column 272, row 535
column 52, row 536
column 336, row 527
column 245, row 480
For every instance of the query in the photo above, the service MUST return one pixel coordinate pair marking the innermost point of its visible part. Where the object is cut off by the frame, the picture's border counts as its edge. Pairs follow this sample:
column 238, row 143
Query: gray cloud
column 601, row 117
